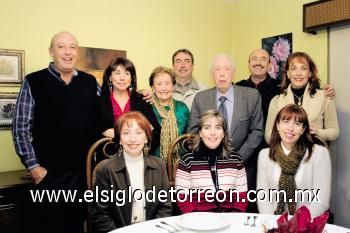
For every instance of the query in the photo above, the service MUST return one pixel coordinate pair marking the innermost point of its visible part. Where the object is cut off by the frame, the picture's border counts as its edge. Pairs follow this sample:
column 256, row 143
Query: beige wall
column 150, row 31
column 253, row 20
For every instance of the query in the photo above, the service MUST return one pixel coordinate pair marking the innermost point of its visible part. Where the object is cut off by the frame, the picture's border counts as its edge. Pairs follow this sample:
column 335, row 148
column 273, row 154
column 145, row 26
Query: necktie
column 222, row 108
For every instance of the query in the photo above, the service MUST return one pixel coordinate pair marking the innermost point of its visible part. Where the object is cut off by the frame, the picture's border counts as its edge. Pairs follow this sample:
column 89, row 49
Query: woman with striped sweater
column 212, row 177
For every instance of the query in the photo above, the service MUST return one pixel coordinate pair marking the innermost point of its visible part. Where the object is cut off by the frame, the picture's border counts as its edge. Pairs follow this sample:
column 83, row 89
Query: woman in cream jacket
column 302, row 87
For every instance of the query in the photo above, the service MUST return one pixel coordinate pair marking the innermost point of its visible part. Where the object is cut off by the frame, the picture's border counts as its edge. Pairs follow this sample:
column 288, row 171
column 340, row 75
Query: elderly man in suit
column 240, row 106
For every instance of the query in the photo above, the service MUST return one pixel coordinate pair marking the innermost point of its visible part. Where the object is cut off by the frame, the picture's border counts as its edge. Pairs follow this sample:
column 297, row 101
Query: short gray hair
column 226, row 56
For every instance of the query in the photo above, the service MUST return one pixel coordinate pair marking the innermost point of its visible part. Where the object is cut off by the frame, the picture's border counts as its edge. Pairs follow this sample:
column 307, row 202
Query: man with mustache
column 259, row 63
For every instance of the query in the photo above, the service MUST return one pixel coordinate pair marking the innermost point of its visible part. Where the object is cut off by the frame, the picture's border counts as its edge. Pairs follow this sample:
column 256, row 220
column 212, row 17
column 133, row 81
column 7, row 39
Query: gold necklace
column 299, row 99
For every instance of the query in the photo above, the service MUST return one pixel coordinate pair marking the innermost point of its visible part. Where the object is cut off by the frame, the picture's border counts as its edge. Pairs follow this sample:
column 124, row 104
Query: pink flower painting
column 280, row 49
column 274, row 68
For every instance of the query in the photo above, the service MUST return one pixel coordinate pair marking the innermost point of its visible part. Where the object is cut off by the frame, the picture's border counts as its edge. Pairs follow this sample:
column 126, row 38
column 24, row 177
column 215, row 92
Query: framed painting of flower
column 279, row 47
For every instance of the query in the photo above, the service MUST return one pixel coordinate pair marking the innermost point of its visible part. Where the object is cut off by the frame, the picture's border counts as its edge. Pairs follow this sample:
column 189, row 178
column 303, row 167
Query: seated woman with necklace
column 133, row 171
column 213, row 168
column 293, row 162
column 301, row 86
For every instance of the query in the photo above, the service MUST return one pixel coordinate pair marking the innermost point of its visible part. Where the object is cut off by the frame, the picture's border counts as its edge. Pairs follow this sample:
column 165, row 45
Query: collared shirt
column 183, row 88
column 24, row 117
column 185, row 93
column 228, row 104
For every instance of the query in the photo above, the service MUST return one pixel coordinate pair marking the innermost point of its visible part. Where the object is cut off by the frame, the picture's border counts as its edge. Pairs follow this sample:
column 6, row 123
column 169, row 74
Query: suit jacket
column 113, row 176
column 320, row 110
column 247, row 120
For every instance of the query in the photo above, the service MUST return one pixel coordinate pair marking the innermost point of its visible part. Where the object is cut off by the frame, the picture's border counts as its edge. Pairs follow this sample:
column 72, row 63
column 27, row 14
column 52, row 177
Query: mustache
column 258, row 65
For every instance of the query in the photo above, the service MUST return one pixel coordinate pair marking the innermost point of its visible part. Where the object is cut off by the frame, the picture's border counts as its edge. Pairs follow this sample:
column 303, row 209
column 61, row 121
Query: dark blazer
column 247, row 128
column 113, row 175
column 137, row 103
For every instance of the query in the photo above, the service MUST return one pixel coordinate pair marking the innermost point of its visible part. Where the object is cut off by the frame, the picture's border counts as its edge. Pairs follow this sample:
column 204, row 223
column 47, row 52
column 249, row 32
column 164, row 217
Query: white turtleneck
column 135, row 168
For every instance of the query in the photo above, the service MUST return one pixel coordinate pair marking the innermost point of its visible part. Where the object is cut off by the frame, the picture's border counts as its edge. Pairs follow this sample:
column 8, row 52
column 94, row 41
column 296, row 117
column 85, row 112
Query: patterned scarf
column 289, row 165
column 169, row 131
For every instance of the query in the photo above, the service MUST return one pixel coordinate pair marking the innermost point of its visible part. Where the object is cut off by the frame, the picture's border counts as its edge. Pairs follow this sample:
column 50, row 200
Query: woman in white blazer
column 302, row 87
column 293, row 162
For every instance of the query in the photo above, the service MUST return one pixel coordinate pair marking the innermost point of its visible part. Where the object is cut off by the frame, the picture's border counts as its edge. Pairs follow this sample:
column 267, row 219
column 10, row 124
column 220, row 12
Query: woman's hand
column 109, row 133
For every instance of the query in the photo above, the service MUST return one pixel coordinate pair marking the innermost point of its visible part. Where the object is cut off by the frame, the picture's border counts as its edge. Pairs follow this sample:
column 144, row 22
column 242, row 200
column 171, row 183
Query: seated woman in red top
column 119, row 96
column 211, row 170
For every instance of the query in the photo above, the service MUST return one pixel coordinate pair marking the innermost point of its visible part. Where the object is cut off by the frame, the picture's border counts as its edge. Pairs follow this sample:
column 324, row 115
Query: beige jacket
column 320, row 110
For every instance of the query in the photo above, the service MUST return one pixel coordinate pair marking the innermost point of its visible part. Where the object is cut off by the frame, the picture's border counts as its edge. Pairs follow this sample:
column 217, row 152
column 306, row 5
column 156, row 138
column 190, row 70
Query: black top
column 137, row 103
column 64, row 124
column 268, row 89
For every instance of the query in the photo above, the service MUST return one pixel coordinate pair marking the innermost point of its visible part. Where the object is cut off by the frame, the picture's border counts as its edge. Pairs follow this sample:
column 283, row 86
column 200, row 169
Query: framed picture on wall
column 11, row 67
column 7, row 109
column 279, row 47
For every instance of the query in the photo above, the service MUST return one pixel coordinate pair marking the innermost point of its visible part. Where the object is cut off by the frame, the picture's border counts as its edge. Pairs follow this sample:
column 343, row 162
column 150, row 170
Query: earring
column 120, row 151
column 130, row 88
column 110, row 83
column 145, row 150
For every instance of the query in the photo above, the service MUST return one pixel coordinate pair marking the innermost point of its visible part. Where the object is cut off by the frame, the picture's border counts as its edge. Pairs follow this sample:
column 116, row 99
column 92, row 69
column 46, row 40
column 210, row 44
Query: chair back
column 180, row 146
column 97, row 153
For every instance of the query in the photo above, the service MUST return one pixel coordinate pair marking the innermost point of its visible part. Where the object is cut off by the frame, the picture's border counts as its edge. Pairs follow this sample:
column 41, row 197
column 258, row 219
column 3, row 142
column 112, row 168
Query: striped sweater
column 194, row 174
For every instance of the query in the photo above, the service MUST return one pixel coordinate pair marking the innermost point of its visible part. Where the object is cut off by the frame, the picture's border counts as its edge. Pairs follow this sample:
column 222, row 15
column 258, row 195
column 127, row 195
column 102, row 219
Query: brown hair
column 225, row 141
column 162, row 70
column 182, row 51
column 314, row 82
column 126, row 119
column 127, row 64
column 286, row 113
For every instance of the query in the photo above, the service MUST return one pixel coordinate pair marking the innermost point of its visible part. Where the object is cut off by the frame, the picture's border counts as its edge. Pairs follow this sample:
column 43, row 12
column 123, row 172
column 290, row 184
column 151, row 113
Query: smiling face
column 132, row 138
column 222, row 73
column 259, row 63
column 183, row 66
column 299, row 72
column 163, row 87
column 290, row 131
column 121, row 79
column 212, row 133
column 64, row 50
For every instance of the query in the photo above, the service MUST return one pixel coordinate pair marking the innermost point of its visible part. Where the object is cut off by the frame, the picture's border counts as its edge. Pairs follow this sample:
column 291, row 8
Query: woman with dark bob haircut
column 119, row 96
column 134, row 170
column 301, row 86
column 293, row 162
column 211, row 167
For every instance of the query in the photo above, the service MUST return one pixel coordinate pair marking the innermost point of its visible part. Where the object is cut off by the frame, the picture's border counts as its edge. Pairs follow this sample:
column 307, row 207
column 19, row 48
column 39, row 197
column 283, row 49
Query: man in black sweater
column 53, row 128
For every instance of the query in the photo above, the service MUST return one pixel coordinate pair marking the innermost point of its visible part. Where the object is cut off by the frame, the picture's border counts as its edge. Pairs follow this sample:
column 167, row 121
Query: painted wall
column 253, row 20
column 150, row 31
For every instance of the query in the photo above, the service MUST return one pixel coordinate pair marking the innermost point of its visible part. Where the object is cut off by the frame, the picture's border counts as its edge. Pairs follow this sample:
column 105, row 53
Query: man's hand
column 147, row 95
column 313, row 128
column 109, row 133
column 38, row 174
column 329, row 91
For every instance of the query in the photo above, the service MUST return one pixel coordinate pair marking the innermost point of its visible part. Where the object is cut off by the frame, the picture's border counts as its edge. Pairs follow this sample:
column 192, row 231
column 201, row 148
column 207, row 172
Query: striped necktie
column 222, row 108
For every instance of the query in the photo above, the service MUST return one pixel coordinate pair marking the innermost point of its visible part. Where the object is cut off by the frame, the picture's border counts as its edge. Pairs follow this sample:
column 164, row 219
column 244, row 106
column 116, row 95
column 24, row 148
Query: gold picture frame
column 11, row 67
